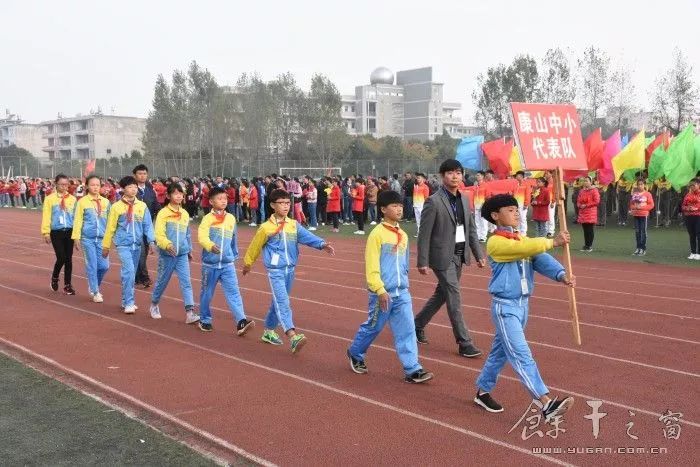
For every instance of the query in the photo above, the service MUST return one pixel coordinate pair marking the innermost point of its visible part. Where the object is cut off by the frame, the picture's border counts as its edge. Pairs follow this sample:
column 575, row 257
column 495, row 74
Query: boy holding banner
column 514, row 258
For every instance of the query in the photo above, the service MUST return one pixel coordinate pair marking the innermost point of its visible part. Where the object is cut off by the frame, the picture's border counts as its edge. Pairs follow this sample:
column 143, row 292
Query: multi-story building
column 14, row 132
column 410, row 107
column 92, row 137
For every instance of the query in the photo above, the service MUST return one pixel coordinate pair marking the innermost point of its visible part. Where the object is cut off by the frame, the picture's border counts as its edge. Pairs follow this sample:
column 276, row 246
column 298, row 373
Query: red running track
column 639, row 356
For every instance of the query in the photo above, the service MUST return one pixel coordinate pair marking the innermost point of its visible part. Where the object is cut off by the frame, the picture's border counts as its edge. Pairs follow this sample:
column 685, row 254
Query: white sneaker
column 695, row 257
column 192, row 317
column 312, row 228
column 372, row 223
column 253, row 224
column 359, row 232
column 155, row 311
column 130, row 309
column 97, row 298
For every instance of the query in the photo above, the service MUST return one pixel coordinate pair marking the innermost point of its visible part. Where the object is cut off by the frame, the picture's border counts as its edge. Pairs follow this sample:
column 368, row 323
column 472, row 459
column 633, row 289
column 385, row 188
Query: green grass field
column 44, row 422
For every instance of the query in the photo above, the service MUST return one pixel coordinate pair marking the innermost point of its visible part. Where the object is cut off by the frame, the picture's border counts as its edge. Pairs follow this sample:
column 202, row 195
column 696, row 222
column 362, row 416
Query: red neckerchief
column 176, row 214
column 129, row 211
column 280, row 226
column 397, row 231
column 506, row 234
column 63, row 201
column 219, row 217
column 99, row 206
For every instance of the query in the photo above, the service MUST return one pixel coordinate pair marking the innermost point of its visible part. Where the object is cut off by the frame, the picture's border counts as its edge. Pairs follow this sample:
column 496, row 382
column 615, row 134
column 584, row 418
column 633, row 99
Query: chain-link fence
column 116, row 168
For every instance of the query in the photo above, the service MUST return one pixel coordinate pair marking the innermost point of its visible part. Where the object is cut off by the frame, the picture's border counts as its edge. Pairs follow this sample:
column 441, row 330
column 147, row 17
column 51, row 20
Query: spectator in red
column 333, row 205
column 358, row 205
column 253, row 204
column 641, row 202
column 691, row 216
column 587, row 201
column 541, row 199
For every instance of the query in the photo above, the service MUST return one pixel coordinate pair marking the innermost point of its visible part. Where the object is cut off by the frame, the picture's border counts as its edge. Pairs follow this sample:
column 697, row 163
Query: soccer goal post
column 314, row 172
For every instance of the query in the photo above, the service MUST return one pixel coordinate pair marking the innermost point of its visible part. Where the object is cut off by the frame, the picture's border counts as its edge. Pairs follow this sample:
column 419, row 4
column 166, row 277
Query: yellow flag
column 631, row 156
column 537, row 174
column 515, row 164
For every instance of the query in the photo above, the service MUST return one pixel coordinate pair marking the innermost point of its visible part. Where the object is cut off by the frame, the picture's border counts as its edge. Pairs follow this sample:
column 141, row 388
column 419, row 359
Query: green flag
column 679, row 166
column 631, row 174
column 656, row 163
column 697, row 154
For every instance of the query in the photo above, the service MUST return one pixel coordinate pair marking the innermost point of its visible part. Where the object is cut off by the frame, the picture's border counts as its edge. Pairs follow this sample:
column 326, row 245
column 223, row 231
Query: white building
column 410, row 107
column 14, row 132
column 92, row 137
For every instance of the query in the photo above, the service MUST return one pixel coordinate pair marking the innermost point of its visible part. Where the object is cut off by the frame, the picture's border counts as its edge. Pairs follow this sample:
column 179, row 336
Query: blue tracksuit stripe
column 168, row 264
column 400, row 319
column 509, row 345
column 229, row 283
column 95, row 265
column 129, row 257
column 280, row 311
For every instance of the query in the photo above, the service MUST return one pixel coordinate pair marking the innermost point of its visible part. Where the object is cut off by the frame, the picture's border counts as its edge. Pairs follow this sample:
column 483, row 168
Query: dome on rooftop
column 381, row 75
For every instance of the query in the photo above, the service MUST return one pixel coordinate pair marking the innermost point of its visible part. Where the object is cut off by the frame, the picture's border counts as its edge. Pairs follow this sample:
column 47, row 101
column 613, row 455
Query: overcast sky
column 71, row 56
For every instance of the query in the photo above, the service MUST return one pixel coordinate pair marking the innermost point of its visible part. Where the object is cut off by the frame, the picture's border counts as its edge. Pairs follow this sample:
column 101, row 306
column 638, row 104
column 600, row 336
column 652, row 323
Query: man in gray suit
column 447, row 233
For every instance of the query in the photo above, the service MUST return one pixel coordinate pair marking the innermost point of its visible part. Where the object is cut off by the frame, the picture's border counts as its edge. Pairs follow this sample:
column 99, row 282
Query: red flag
column 663, row 138
column 498, row 154
column 498, row 187
column 594, row 150
column 89, row 167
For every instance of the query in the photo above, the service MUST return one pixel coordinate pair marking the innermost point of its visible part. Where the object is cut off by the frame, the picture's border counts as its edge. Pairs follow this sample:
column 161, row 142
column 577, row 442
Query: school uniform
column 128, row 225
column 386, row 271
column 514, row 260
column 172, row 228
column 89, row 229
column 420, row 194
column 522, row 195
column 57, row 222
column 220, row 230
column 278, row 241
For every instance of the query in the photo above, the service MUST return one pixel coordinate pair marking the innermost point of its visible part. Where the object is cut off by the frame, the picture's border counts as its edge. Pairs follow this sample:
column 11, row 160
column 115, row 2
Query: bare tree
column 557, row 84
column 675, row 95
column 594, row 84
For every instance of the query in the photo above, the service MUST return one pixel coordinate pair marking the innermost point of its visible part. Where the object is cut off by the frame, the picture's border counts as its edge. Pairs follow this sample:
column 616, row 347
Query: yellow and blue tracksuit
column 127, row 225
column 279, row 243
column 57, row 222
column 220, row 230
column 53, row 217
column 513, row 261
column 386, row 268
column 89, row 227
column 173, row 228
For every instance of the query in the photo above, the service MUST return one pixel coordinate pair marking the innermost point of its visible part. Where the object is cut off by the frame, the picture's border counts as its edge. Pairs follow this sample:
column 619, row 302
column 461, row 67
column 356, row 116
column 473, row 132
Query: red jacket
column 540, row 205
column 333, row 200
column 587, row 202
column 230, row 195
column 358, row 198
column 691, row 204
column 252, row 197
column 205, row 197
column 161, row 192
column 641, row 203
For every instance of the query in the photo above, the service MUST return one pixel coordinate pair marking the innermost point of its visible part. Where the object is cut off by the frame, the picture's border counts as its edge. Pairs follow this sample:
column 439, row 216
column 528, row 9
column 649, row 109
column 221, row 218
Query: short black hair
column 58, row 177
column 420, row 174
column 489, row 171
column 495, row 203
column 278, row 194
column 481, row 172
column 450, row 165
column 173, row 187
column 216, row 191
column 544, row 180
column 520, row 172
column 90, row 177
column 387, row 197
column 126, row 181
column 138, row 168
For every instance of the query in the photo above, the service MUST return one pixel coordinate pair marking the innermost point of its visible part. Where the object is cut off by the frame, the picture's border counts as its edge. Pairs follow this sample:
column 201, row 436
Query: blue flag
column 469, row 152
column 625, row 140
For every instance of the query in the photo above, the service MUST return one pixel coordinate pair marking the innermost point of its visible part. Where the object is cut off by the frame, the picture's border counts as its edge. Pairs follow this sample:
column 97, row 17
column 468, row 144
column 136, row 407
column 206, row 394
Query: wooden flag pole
column 560, row 194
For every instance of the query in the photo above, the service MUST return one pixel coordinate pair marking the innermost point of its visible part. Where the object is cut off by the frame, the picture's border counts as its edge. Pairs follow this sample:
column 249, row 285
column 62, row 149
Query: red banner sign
column 548, row 135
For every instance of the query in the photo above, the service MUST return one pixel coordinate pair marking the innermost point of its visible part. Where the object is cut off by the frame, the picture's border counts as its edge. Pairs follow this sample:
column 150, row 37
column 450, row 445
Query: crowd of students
column 101, row 221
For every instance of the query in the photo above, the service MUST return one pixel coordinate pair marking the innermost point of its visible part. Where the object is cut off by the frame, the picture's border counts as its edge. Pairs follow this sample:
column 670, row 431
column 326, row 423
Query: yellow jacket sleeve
column 255, row 247
column 372, row 265
column 78, row 220
column 46, row 215
column 162, row 239
column 503, row 250
column 111, row 228
column 203, row 233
